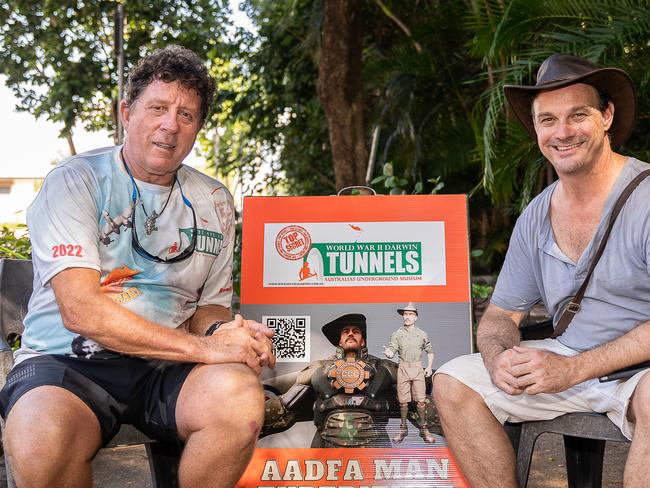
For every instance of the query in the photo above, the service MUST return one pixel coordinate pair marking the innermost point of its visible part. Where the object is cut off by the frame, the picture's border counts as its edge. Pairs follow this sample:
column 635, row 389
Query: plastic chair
column 16, row 279
column 585, row 435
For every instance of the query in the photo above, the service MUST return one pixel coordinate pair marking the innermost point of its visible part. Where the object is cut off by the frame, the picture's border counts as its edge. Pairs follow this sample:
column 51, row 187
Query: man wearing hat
column 579, row 114
column 353, row 391
column 408, row 342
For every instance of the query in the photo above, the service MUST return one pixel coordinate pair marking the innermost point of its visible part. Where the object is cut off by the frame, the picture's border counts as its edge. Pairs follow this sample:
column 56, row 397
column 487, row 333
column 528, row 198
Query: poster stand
column 312, row 266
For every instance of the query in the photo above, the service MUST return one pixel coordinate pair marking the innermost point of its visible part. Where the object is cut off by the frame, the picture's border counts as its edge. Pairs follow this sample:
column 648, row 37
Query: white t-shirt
column 82, row 218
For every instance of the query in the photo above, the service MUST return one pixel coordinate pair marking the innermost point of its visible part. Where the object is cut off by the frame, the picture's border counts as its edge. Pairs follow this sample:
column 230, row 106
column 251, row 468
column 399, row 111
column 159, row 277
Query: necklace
column 150, row 220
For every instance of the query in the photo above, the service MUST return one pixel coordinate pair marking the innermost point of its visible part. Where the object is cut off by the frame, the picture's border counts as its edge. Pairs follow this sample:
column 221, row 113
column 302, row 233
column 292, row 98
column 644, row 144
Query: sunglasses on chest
column 150, row 222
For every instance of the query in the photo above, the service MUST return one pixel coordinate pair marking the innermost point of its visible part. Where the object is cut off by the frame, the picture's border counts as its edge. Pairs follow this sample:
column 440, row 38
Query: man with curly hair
column 129, row 320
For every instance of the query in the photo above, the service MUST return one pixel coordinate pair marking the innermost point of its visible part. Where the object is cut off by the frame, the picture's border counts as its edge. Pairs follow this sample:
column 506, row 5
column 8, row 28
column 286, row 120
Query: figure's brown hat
column 332, row 330
column 408, row 308
column 560, row 70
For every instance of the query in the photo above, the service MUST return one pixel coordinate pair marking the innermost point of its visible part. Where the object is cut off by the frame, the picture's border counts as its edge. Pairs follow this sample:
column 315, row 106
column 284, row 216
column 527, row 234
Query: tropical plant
column 416, row 72
column 512, row 38
column 272, row 132
column 416, row 102
column 59, row 59
column 14, row 242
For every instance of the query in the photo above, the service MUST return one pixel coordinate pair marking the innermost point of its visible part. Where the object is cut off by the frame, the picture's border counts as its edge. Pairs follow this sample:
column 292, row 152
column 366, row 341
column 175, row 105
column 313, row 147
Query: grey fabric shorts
column 119, row 390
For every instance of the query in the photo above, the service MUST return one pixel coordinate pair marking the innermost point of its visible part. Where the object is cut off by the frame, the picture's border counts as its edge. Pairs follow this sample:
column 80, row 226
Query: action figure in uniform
column 408, row 342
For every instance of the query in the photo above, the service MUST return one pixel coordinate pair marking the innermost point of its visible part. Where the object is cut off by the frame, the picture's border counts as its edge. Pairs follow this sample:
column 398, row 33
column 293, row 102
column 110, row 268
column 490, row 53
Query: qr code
column 291, row 339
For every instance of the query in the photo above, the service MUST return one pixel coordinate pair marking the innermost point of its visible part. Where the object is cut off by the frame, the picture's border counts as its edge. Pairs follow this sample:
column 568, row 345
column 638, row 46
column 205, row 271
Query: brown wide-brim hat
column 409, row 307
column 332, row 330
column 560, row 70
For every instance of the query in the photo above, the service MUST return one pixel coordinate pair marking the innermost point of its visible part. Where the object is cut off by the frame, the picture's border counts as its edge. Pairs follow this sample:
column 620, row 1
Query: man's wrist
column 492, row 359
column 489, row 354
column 214, row 327
column 577, row 368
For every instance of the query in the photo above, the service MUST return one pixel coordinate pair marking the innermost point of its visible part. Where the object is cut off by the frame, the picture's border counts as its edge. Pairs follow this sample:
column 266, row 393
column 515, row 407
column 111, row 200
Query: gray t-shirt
column 617, row 298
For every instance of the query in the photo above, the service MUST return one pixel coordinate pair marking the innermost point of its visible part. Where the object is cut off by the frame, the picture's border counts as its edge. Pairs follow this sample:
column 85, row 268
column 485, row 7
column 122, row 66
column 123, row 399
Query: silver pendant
column 150, row 223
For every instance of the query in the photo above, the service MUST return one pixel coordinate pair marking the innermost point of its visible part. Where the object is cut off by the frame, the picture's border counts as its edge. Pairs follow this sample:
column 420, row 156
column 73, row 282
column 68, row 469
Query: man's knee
column 48, row 428
column 451, row 394
column 228, row 384
column 220, row 395
column 641, row 402
column 233, row 382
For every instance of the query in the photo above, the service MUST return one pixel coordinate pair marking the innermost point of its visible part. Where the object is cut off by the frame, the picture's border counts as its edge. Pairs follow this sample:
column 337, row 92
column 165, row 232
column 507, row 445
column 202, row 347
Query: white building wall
column 16, row 194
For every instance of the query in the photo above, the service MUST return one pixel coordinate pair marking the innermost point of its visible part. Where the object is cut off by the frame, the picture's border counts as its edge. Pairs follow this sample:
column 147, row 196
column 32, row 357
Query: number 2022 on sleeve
column 61, row 250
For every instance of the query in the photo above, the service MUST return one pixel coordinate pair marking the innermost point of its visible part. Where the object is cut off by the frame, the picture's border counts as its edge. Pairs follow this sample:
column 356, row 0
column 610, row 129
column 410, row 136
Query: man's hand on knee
column 242, row 341
column 500, row 370
column 541, row 371
column 262, row 334
column 256, row 326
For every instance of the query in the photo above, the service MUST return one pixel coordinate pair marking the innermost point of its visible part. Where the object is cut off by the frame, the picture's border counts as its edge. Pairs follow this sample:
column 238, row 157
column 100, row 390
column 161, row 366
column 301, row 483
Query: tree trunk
column 340, row 90
column 68, row 137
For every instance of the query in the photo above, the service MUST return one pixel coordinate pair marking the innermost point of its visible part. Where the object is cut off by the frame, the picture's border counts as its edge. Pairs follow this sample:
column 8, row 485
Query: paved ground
column 128, row 467
column 120, row 467
column 548, row 468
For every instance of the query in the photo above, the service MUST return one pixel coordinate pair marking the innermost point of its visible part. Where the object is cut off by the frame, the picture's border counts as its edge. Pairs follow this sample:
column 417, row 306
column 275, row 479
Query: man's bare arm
column 631, row 348
column 87, row 311
column 545, row 372
column 498, row 333
column 206, row 315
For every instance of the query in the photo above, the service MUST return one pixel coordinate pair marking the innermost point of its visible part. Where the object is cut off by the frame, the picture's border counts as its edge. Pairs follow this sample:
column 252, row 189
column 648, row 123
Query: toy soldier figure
column 408, row 342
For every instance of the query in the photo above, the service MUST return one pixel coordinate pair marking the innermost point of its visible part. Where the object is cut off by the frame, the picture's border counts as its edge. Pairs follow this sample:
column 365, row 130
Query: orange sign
column 352, row 468
column 331, row 277
column 351, row 219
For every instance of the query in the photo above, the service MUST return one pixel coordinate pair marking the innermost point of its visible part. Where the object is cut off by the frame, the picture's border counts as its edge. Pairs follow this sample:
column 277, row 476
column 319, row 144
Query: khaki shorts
column 410, row 382
column 612, row 397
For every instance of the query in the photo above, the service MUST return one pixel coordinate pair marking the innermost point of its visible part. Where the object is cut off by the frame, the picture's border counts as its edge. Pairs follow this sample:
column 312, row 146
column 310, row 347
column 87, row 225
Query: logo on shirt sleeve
column 62, row 250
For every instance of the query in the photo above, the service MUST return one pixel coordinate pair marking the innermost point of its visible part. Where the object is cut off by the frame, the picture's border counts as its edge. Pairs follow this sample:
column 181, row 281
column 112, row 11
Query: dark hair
column 603, row 100
column 172, row 63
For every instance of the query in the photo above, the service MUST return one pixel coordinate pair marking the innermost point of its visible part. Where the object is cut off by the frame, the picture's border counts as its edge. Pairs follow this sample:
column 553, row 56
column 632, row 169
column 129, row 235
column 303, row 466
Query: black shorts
column 125, row 390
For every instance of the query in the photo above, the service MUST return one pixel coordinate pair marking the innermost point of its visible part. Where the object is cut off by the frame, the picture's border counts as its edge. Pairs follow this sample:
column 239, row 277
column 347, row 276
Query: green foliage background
column 433, row 73
column 14, row 243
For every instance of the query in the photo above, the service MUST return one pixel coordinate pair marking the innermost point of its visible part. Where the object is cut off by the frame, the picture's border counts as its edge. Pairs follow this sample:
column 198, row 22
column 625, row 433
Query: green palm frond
column 512, row 38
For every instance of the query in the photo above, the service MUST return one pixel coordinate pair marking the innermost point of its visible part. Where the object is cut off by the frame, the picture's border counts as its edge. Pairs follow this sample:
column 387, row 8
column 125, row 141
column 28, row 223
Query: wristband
column 213, row 328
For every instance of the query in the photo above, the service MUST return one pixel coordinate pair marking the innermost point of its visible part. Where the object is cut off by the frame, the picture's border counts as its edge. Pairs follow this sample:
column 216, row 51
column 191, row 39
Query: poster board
column 307, row 261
